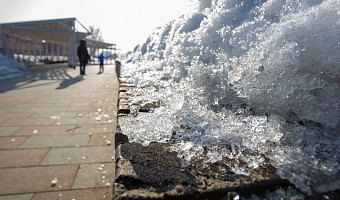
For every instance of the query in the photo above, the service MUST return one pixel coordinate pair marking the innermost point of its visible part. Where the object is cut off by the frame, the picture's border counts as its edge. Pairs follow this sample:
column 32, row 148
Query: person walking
column 101, row 62
column 83, row 56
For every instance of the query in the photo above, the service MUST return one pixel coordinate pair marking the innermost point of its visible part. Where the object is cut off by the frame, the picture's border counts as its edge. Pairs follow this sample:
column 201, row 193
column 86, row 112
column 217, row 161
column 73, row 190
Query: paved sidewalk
column 57, row 125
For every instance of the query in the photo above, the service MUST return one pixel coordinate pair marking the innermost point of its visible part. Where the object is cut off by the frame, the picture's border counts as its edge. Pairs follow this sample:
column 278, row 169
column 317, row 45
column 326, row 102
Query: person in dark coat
column 83, row 56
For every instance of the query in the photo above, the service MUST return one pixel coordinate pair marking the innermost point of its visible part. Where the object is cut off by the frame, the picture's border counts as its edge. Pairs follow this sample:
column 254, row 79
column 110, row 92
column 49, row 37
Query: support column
column 3, row 41
column 111, row 55
column 46, row 51
column 58, row 52
column 23, row 50
column 16, row 49
column 12, row 48
column 72, row 59
column 52, row 51
column 34, row 52
column 40, row 49
column 29, row 50
column 64, row 52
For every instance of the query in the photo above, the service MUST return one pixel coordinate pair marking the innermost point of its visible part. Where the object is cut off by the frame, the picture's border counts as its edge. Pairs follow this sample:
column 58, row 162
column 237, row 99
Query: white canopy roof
column 56, row 30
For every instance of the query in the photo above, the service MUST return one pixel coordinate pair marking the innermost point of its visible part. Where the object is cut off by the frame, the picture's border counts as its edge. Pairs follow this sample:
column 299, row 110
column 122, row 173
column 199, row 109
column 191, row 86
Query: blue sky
column 123, row 22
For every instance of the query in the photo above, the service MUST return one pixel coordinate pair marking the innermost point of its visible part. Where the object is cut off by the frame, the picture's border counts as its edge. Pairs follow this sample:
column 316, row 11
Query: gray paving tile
column 94, row 175
column 17, row 197
column 36, row 179
column 43, row 109
column 81, row 109
column 59, row 156
column 44, row 104
column 23, row 157
column 76, row 121
column 45, row 130
column 7, row 131
column 55, row 141
column 101, row 139
column 54, row 100
column 73, row 104
column 86, row 129
column 54, row 114
column 28, row 122
column 11, row 142
column 4, row 115
column 87, row 194
column 11, row 109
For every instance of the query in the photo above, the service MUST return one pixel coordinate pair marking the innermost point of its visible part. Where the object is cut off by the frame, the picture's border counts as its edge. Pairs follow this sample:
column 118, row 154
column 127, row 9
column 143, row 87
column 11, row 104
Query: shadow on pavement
column 68, row 82
column 51, row 73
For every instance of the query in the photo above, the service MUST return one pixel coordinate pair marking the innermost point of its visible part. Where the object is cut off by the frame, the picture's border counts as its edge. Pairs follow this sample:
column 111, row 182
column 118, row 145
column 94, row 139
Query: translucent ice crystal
column 243, row 79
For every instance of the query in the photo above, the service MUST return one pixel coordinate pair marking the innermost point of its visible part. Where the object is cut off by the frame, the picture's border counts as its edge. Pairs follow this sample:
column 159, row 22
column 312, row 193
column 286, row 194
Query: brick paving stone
column 94, row 175
column 48, row 109
column 53, row 100
column 35, row 104
column 17, row 197
column 86, row 129
column 7, row 131
column 11, row 142
column 101, row 139
column 104, row 104
column 59, row 156
column 28, row 122
column 81, row 109
column 87, row 194
column 21, row 158
column 45, row 130
column 74, row 104
column 44, row 133
column 52, row 114
column 44, row 141
column 76, row 121
column 11, row 109
column 84, row 114
column 36, row 179
column 14, row 115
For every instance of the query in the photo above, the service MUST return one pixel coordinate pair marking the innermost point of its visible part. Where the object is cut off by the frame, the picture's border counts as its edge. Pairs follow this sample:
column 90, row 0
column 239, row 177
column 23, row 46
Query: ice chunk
column 244, row 76
column 54, row 117
column 54, row 182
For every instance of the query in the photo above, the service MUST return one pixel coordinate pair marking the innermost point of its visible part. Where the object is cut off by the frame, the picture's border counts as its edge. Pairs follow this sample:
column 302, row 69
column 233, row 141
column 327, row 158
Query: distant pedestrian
column 101, row 62
column 83, row 55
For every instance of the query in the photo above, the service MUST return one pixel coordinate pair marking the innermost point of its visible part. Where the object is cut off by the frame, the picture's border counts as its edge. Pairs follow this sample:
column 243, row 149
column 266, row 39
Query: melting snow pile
column 244, row 79
column 10, row 68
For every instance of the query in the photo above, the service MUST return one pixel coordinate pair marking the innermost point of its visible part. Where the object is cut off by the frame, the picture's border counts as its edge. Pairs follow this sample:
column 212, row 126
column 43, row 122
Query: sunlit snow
column 244, row 79
column 10, row 68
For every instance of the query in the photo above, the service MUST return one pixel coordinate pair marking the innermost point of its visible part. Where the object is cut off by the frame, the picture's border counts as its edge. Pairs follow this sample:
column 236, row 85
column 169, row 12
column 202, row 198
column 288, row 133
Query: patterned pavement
column 57, row 134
